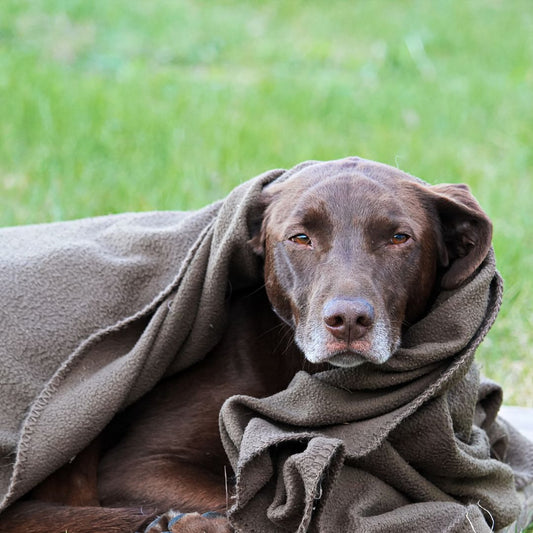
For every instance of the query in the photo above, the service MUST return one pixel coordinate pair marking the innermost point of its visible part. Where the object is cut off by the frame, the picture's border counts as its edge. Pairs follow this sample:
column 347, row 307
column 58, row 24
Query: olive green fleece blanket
column 95, row 312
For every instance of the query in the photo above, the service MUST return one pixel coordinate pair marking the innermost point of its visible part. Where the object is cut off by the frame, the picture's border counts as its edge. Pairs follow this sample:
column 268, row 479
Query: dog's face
column 352, row 256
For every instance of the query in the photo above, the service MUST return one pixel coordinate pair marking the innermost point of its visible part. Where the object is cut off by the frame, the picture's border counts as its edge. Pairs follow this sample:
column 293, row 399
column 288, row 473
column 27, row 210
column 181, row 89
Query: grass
column 117, row 106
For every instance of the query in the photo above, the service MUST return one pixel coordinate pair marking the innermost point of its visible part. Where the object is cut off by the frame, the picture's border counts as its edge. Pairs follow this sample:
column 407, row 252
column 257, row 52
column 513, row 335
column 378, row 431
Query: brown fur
column 165, row 452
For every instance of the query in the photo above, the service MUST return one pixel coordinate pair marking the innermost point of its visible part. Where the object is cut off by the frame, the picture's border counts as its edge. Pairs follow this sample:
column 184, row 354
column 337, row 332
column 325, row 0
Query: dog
column 352, row 256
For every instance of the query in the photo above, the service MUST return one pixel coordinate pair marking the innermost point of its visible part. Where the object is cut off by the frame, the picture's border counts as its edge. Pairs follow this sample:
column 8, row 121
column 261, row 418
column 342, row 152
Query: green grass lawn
column 110, row 106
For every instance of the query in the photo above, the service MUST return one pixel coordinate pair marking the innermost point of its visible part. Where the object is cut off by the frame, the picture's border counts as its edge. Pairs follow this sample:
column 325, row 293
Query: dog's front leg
column 190, row 498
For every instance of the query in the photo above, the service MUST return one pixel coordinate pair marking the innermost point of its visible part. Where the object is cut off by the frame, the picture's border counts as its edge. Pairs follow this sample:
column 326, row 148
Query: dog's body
column 350, row 259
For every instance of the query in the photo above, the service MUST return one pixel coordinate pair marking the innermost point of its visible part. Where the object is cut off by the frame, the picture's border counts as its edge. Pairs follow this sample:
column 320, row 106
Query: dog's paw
column 175, row 522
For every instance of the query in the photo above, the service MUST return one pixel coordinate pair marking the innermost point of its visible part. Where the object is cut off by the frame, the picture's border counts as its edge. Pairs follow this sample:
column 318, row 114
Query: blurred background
column 112, row 106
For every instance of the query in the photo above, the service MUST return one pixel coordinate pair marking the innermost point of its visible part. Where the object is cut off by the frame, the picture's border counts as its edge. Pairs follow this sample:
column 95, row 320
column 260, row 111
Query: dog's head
column 354, row 251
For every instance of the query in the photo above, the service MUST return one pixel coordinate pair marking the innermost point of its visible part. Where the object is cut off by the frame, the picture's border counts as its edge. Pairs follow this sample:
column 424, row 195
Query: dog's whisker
column 255, row 291
column 286, row 337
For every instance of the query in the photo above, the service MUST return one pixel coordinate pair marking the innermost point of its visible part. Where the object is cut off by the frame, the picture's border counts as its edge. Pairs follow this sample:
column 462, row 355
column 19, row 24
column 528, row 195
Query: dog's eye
column 301, row 238
column 399, row 238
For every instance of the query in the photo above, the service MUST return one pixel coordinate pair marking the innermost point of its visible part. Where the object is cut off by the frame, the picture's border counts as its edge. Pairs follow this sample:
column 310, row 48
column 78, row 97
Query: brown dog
column 351, row 258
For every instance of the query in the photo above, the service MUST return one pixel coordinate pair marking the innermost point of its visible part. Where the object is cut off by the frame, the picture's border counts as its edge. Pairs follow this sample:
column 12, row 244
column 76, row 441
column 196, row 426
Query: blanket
column 96, row 311
column 412, row 445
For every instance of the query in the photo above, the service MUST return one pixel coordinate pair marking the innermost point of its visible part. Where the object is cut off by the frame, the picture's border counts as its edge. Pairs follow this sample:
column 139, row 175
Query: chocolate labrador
column 352, row 257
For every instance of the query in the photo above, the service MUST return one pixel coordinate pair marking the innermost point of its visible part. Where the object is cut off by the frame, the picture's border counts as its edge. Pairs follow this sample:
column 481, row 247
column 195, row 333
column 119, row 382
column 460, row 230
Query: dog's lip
column 361, row 348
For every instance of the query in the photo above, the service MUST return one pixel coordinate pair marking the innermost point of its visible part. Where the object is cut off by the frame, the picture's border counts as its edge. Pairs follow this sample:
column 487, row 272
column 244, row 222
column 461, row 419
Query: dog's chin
column 351, row 359
column 347, row 360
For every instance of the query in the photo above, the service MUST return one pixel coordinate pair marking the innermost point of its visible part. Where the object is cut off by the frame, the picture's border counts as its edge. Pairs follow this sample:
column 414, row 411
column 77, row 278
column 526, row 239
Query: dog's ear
column 257, row 223
column 259, row 215
column 466, row 233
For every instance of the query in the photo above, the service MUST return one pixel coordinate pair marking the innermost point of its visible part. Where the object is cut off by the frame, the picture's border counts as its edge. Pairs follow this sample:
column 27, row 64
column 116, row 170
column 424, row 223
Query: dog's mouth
column 375, row 348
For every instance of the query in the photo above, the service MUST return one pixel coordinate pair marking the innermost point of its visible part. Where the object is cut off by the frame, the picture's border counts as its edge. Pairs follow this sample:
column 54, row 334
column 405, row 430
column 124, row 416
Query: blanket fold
column 95, row 312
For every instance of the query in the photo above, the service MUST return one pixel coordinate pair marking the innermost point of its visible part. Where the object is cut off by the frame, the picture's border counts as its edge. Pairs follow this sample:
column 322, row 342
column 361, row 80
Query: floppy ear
column 257, row 241
column 257, row 223
column 466, row 233
column 260, row 214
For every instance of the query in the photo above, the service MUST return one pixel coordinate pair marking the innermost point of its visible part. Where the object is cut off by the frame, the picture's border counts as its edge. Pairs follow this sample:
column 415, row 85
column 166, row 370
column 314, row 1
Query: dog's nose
column 348, row 319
